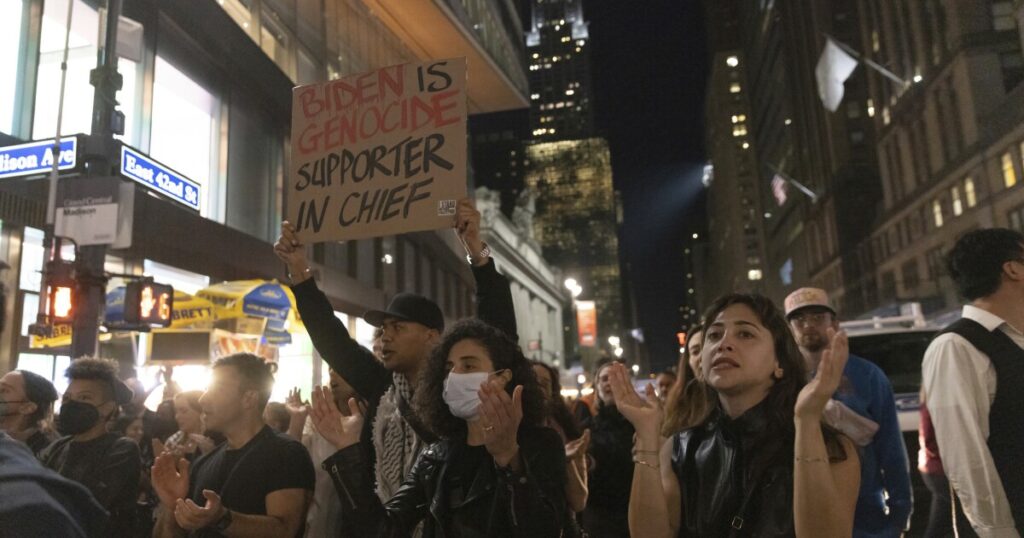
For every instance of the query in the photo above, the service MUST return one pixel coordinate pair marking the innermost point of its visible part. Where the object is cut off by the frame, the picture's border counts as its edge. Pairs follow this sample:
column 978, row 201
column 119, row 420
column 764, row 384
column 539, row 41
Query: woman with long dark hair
column 560, row 419
column 754, row 458
column 497, row 471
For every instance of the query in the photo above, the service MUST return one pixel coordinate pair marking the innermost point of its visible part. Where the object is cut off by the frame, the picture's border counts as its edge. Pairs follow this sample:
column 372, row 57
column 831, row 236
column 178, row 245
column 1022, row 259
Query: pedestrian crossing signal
column 148, row 303
column 60, row 285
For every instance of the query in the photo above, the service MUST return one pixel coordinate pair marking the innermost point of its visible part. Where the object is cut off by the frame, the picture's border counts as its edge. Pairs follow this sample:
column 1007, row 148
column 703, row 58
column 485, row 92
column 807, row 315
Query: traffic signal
column 148, row 303
column 60, row 284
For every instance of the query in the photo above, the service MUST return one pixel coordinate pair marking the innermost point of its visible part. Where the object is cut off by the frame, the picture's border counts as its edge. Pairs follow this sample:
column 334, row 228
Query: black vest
column 1006, row 417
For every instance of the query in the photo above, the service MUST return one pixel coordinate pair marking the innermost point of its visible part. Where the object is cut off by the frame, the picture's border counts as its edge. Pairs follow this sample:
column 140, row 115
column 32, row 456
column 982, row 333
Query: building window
column 958, row 206
column 1002, row 16
column 732, row 61
column 937, row 212
column 10, row 43
column 911, row 278
column 1009, row 175
column 1016, row 218
column 934, row 259
column 734, row 87
column 185, row 135
column 888, row 286
column 739, row 130
column 78, row 94
column 969, row 192
column 754, row 275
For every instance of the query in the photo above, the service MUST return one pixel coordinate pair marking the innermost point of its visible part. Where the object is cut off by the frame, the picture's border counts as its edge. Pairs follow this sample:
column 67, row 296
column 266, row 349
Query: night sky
column 649, row 70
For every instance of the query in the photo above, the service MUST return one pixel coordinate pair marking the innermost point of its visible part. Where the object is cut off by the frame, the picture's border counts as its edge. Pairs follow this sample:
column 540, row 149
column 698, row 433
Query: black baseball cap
column 409, row 307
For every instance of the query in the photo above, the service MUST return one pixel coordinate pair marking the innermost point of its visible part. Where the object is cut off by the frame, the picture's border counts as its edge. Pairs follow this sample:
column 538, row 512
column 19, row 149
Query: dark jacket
column 735, row 471
column 357, row 365
column 530, row 503
column 611, row 447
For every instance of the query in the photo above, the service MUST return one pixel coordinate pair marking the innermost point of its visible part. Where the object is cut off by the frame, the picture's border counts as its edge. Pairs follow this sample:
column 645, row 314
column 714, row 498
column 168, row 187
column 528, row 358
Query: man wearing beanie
column 26, row 405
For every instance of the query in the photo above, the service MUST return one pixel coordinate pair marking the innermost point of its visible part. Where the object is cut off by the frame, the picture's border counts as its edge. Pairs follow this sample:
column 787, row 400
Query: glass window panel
column 10, row 50
column 29, row 311
column 183, row 126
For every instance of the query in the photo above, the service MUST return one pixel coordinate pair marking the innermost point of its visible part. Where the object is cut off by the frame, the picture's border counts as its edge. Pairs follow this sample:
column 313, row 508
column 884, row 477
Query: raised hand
column 577, row 450
column 190, row 516
column 467, row 224
column 295, row 406
column 500, row 415
column 810, row 404
column 644, row 415
column 339, row 430
column 291, row 251
column 169, row 475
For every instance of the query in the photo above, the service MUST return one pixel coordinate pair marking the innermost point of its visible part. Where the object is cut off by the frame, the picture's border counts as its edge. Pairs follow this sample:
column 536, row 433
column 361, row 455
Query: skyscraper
column 557, row 43
column 568, row 167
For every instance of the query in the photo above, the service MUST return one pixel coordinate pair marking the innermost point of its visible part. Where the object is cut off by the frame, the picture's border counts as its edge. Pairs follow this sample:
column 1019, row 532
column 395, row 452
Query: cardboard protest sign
column 379, row 153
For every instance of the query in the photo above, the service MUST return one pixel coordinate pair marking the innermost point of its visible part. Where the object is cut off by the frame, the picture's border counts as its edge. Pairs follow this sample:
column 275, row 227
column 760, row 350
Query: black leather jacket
column 735, row 477
column 530, row 503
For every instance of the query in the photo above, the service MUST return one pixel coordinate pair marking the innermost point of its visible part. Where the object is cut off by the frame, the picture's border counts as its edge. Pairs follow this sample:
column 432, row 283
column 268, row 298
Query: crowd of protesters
column 768, row 426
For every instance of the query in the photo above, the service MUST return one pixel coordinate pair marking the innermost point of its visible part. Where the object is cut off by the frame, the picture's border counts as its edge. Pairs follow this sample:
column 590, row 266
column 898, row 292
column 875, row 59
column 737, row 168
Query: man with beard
column 257, row 483
column 884, row 504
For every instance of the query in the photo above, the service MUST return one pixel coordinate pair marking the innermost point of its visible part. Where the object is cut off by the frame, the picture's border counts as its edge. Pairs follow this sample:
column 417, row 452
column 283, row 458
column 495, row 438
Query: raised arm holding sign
column 379, row 153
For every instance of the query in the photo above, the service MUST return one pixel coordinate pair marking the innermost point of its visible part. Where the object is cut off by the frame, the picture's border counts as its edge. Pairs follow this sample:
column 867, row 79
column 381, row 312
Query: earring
column 778, row 373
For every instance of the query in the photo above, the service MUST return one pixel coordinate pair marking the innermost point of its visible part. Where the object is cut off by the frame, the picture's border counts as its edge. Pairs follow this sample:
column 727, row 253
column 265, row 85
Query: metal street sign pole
column 99, row 160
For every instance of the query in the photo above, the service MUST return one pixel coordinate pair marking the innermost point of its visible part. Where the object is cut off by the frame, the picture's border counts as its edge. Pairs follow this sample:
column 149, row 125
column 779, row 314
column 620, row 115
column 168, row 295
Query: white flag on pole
column 780, row 190
column 834, row 67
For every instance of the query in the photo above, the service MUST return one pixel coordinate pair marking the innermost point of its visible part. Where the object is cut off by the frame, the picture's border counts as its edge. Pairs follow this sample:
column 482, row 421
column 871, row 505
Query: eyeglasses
column 809, row 318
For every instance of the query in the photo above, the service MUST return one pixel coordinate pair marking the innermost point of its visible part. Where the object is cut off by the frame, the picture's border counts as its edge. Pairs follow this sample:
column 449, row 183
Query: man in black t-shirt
column 257, row 483
column 106, row 463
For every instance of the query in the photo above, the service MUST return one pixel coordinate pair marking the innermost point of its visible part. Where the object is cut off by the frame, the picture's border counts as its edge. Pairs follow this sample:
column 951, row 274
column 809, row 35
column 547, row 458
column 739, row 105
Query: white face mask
column 460, row 393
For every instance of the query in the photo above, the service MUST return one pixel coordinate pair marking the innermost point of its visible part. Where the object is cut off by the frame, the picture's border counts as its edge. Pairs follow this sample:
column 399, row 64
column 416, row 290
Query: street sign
column 34, row 158
column 160, row 178
column 95, row 211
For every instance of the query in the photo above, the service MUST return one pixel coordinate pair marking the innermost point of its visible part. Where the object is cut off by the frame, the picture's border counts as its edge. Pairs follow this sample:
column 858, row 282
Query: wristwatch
column 482, row 255
column 224, row 522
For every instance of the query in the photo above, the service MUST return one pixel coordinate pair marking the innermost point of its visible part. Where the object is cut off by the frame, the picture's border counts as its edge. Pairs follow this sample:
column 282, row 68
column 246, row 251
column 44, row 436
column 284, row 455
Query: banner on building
column 379, row 153
column 586, row 322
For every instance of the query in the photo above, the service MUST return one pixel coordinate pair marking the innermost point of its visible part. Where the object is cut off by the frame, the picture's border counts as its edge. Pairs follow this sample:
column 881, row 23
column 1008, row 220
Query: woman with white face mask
column 496, row 470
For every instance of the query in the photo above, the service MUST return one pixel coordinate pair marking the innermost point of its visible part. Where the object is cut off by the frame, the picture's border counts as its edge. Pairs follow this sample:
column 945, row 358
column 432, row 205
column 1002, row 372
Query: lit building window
column 734, row 87
column 746, row 145
column 754, row 274
column 566, row 39
column 885, row 115
column 937, row 212
column 739, row 130
column 570, row 92
column 972, row 197
column 871, row 108
column 958, row 206
column 1009, row 174
column 732, row 61
column 788, row 121
column 184, row 117
column 536, row 55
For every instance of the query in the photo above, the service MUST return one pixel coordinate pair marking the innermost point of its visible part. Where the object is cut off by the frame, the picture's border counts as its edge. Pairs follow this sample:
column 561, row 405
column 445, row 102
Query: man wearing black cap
column 106, row 463
column 26, row 403
column 411, row 325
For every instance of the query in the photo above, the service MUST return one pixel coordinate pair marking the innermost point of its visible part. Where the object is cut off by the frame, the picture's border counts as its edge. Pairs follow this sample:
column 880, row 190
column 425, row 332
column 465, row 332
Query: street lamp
column 574, row 287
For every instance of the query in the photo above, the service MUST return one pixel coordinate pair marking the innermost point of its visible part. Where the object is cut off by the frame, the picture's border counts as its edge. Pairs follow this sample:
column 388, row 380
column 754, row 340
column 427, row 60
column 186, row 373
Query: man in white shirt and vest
column 973, row 382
